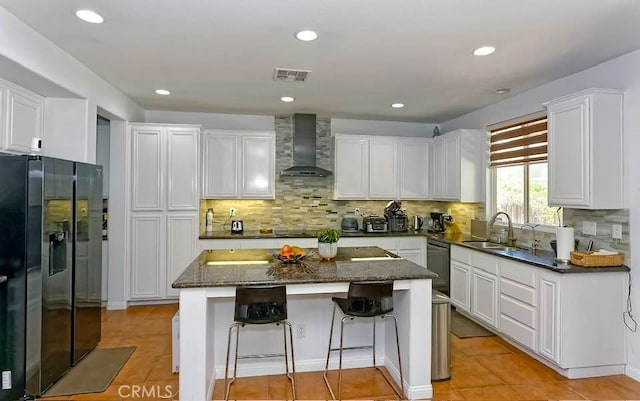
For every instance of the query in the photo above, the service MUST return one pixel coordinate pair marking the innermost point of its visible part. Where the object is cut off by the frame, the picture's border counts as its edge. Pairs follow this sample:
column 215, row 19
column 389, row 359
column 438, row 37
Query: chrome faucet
column 511, row 240
column 534, row 241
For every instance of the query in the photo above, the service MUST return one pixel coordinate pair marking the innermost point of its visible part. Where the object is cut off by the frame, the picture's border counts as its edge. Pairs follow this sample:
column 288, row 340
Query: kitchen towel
column 565, row 242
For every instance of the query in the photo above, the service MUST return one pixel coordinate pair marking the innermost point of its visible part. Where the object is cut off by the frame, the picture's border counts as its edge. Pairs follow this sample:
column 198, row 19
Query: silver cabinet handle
column 3, row 279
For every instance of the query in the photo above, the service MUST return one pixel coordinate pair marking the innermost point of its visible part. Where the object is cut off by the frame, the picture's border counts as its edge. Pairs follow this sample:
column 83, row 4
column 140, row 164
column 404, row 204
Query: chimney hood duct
column 304, row 148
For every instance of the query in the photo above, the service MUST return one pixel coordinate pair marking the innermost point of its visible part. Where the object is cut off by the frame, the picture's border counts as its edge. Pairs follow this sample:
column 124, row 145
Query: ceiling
column 219, row 55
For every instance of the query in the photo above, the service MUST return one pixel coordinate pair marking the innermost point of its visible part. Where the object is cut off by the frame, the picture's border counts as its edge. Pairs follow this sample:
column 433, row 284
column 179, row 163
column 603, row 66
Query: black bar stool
column 364, row 300
column 260, row 305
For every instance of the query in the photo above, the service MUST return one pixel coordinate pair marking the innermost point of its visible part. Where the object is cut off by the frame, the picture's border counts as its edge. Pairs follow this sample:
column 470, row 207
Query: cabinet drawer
column 518, row 291
column 522, row 313
column 518, row 272
column 461, row 254
column 485, row 262
column 411, row 243
column 518, row 331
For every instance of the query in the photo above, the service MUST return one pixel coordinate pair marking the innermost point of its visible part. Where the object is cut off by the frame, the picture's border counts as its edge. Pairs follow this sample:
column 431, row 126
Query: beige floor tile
column 515, row 369
column 556, row 391
column 497, row 393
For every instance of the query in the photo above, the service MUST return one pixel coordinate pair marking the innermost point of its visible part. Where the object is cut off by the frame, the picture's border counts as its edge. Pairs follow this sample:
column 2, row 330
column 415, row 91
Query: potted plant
column 328, row 243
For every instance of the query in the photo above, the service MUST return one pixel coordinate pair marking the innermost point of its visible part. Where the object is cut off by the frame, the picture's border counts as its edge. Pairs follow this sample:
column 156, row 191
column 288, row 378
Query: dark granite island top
column 228, row 268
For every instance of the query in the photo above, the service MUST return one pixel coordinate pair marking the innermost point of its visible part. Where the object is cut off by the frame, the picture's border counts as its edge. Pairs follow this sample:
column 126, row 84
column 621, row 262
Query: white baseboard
column 248, row 368
column 633, row 372
column 154, row 302
column 117, row 305
column 411, row 392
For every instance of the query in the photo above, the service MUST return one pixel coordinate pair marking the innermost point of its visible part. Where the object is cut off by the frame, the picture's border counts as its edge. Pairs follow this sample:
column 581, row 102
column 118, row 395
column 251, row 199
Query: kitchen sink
column 494, row 246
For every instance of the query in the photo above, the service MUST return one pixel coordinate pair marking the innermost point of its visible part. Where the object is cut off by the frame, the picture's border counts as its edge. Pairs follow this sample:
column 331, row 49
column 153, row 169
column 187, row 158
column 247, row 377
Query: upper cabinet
column 21, row 117
column 374, row 167
column 239, row 165
column 585, row 141
column 458, row 166
column 164, row 167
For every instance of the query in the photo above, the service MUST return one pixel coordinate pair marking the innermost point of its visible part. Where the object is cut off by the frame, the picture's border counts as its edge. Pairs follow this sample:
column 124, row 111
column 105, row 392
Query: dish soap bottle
column 209, row 221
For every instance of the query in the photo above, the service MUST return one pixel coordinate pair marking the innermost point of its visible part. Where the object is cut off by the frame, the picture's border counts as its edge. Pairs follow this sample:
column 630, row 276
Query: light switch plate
column 589, row 228
column 6, row 380
column 616, row 231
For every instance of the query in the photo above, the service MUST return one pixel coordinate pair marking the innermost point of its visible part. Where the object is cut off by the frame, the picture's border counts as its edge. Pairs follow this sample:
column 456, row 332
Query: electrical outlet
column 589, row 227
column 232, row 212
column 356, row 210
column 301, row 330
column 6, row 380
column 616, row 231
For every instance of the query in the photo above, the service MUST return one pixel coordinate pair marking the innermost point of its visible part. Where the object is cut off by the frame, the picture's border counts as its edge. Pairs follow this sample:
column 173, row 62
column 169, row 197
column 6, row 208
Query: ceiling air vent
column 289, row 75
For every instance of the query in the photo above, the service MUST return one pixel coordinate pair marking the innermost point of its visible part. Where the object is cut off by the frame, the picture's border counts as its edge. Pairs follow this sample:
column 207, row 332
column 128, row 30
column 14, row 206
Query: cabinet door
column 452, row 167
column 383, row 169
column 414, row 169
column 351, row 175
column 220, row 165
column 568, row 153
column 182, row 232
column 147, row 165
column 438, row 175
column 549, row 315
column 485, row 297
column 24, row 113
column 147, row 256
column 182, row 168
column 414, row 255
column 460, row 285
column 258, row 167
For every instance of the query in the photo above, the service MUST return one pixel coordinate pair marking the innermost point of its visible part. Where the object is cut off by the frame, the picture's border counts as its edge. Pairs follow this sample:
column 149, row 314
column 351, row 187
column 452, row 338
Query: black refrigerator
column 50, row 269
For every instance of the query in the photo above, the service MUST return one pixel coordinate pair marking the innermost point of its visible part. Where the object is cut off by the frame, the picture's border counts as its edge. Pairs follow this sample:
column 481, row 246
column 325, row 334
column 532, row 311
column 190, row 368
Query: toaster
column 375, row 224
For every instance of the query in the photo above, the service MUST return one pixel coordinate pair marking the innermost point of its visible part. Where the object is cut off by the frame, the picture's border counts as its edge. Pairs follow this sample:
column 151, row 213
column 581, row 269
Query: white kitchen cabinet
column 585, row 150
column 484, row 292
column 549, row 310
column 182, row 168
column 238, row 164
column 383, row 168
column 458, row 166
column 148, row 245
column 374, row 167
column 460, row 285
column 182, row 231
column 351, row 172
column 147, row 168
column 23, row 114
column 414, row 160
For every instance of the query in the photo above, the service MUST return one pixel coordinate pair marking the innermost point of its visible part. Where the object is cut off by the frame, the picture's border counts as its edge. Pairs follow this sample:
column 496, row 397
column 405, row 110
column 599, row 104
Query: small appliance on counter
column 418, row 222
column 396, row 217
column 436, row 223
column 375, row 224
column 237, row 227
column 349, row 224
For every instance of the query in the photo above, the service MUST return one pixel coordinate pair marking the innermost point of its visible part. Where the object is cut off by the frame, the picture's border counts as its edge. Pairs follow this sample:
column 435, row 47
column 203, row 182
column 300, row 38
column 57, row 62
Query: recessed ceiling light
column 90, row 16
column 484, row 51
column 163, row 92
column 502, row 91
column 306, row 36
column 287, row 99
column 397, row 105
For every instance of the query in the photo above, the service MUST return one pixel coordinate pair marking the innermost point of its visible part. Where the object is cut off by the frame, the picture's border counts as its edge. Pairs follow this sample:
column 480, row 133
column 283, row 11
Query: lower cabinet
column 572, row 321
column 460, row 285
column 181, row 247
column 484, row 290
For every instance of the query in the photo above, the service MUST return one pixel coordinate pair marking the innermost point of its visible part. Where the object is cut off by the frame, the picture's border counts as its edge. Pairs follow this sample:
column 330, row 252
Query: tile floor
column 485, row 368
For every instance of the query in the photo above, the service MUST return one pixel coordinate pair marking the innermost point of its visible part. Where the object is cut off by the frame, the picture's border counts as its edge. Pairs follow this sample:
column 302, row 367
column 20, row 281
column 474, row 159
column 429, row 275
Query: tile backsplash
column 306, row 202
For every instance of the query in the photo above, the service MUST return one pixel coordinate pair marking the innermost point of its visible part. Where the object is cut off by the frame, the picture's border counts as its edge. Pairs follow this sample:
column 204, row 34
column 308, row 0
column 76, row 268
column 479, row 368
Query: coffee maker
column 396, row 217
column 436, row 223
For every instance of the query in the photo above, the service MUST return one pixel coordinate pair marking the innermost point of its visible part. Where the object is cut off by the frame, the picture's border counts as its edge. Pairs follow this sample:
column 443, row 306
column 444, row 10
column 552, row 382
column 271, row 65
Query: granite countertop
column 230, row 268
column 543, row 259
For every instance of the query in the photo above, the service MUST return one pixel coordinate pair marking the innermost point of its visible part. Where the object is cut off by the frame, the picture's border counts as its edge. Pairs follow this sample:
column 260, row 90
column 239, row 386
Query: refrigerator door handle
column 3, row 279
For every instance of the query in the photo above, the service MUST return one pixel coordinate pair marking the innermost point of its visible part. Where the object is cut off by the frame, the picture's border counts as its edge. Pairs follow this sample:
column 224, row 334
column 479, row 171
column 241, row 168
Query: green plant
column 328, row 235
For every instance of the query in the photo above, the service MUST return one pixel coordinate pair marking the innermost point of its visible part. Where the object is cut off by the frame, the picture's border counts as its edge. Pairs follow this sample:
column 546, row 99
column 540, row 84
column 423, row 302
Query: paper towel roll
column 566, row 242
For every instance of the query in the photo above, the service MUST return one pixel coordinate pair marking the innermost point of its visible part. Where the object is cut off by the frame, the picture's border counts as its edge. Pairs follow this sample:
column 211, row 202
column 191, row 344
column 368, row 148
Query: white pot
column 327, row 251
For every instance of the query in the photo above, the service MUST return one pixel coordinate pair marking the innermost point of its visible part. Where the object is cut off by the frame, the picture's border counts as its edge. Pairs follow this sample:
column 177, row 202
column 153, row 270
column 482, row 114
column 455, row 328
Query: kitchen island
column 207, row 288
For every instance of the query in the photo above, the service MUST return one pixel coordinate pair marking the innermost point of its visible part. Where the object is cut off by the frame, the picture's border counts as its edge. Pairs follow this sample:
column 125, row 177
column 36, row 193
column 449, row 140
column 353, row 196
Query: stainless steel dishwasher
column 438, row 262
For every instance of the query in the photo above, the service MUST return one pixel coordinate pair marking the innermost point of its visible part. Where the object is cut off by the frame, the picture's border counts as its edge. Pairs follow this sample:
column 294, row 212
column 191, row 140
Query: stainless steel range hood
column 304, row 148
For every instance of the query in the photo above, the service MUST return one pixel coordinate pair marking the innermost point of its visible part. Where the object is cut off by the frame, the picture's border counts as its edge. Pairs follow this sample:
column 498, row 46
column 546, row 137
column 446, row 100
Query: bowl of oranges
column 290, row 254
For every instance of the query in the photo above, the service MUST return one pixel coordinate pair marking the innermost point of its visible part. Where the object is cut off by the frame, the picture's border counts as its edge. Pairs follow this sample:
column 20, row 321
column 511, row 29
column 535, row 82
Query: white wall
column 620, row 73
column 388, row 128
column 65, row 127
column 212, row 120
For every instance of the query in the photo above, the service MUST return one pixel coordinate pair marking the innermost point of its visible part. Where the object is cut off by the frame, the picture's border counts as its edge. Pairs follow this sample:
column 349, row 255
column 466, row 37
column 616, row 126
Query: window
column 519, row 170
